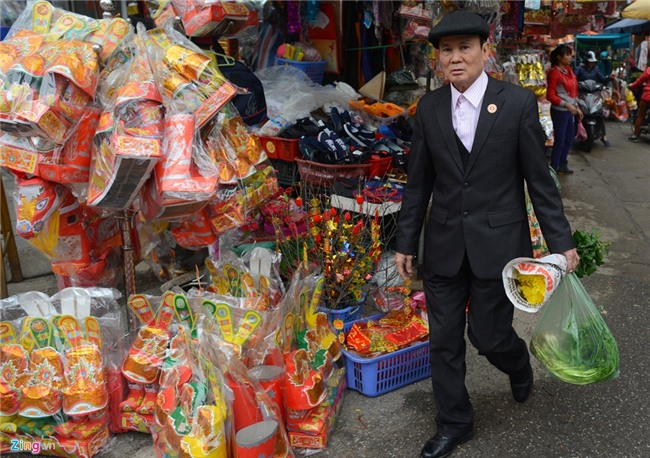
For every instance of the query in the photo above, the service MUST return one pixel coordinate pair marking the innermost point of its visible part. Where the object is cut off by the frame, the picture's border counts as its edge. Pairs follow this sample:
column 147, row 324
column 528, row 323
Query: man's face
column 463, row 59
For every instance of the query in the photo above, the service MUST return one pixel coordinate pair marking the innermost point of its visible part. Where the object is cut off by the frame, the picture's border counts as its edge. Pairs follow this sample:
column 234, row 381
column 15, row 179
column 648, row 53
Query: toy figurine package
column 56, row 361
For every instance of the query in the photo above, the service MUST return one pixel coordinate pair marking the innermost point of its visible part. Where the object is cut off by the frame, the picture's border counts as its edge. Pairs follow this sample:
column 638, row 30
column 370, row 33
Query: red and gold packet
column 357, row 339
column 411, row 333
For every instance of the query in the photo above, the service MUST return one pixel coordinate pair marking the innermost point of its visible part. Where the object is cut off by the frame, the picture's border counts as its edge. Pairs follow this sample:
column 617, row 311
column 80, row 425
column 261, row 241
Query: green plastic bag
column 572, row 340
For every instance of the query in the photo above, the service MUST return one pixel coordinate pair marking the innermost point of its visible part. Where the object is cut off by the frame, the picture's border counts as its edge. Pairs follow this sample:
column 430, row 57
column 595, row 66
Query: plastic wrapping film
column 59, row 358
column 83, row 245
column 49, row 71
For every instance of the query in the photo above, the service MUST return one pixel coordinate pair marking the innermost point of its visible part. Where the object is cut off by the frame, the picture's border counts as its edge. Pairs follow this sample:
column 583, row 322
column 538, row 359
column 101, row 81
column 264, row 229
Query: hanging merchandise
column 82, row 244
column 528, row 67
column 200, row 17
column 512, row 19
column 251, row 105
column 50, row 71
column 128, row 142
column 323, row 35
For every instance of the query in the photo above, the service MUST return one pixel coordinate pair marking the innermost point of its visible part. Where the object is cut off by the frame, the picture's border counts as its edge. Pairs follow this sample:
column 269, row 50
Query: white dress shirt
column 466, row 108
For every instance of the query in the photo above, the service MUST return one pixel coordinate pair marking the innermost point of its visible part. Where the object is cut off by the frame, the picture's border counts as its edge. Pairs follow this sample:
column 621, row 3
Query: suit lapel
column 491, row 108
column 443, row 113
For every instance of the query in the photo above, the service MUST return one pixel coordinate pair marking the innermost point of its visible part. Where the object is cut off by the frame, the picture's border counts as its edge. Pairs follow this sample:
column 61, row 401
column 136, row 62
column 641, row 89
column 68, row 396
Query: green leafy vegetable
column 572, row 340
column 592, row 251
column 588, row 357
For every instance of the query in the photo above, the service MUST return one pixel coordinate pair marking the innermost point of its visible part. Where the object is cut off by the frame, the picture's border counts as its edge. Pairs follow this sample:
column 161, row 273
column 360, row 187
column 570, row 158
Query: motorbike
column 590, row 102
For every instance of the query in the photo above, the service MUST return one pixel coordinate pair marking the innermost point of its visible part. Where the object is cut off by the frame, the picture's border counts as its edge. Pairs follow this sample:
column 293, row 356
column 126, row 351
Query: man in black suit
column 475, row 142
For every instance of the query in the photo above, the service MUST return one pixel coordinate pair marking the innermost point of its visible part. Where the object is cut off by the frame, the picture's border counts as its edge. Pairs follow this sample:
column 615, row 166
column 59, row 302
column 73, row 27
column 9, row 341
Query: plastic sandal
column 360, row 135
column 337, row 121
column 333, row 143
column 315, row 151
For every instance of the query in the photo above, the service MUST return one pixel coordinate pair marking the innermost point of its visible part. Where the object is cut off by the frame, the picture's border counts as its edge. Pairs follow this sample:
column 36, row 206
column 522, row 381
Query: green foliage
column 592, row 251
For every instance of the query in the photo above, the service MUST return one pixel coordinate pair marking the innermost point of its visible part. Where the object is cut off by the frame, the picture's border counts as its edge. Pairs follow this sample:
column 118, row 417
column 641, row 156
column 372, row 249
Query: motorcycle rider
column 644, row 103
column 590, row 71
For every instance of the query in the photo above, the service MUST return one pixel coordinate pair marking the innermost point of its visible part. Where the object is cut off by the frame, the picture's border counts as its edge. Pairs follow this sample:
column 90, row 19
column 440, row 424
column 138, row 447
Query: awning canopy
column 639, row 9
column 638, row 26
column 615, row 40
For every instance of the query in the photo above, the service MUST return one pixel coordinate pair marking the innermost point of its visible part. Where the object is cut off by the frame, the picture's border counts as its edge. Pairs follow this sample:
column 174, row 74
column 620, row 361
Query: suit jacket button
column 465, row 214
column 465, row 185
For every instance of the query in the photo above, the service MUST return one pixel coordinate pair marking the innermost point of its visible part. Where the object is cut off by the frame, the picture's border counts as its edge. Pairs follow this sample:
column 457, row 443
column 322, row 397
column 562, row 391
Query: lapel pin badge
column 492, row 108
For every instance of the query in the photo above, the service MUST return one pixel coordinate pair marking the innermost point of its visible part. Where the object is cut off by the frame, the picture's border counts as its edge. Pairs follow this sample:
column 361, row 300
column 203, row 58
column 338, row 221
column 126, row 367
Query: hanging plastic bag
column 572, row 339
column 581, row 132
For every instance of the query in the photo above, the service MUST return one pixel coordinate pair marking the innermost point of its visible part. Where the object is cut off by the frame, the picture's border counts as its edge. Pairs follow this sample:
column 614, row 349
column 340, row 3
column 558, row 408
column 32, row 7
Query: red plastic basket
column 285, row 149
column 323, row 175
column 379, row 167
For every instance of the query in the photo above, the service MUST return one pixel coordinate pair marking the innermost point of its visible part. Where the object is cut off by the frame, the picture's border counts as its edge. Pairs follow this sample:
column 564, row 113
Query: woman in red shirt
column 643, row 103
column 561, row 91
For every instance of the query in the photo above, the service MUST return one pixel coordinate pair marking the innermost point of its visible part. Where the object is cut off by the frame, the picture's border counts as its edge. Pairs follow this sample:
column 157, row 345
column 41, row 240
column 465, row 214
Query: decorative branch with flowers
column 346, row 248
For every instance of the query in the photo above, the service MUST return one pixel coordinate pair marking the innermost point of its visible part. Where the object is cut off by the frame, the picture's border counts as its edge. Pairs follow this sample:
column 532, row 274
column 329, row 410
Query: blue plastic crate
column 347, row 314
column 379, row 375
column 314, row 70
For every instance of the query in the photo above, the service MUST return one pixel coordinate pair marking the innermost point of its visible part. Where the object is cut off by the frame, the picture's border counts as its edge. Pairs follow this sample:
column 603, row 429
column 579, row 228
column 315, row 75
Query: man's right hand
column 404, row 265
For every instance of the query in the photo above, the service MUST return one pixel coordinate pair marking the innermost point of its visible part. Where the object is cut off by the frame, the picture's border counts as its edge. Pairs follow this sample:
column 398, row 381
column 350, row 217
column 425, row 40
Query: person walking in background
column 605, row 63
column 590, row 71
column 475, row 142
column 561, row 91
column 643, row 103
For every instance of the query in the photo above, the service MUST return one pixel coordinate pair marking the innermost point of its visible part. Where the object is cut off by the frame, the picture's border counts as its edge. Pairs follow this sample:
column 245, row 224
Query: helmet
column 591, row 57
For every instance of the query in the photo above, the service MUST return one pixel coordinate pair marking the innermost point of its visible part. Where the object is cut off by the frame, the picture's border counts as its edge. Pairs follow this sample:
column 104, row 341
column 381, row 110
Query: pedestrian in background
column 561, row 91
column 590, row 71
column 643, row 103
column 475, row 142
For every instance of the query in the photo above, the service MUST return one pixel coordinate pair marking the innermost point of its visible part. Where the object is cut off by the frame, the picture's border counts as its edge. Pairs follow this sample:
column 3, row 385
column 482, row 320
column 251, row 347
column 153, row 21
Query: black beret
column 459, row 23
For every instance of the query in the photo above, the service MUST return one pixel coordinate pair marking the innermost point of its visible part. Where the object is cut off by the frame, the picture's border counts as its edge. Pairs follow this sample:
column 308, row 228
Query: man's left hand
column 572, row 260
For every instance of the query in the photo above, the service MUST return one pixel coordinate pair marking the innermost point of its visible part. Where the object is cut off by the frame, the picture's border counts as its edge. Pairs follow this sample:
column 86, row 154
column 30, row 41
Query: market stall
column 206, row 142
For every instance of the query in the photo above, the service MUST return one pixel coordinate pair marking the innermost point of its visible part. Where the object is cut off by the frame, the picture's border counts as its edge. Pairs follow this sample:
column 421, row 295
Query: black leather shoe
column 521, row 389
column 439, row 446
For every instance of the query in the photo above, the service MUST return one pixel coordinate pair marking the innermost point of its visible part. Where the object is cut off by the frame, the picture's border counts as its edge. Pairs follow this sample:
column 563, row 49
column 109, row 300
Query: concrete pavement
column 610, row 191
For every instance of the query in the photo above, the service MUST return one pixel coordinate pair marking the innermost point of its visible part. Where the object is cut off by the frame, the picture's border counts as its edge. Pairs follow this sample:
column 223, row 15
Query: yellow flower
column 532, row 287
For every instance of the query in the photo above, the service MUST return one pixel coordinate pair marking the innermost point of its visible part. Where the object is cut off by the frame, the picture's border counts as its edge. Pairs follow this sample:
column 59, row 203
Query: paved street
column 610, row 191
